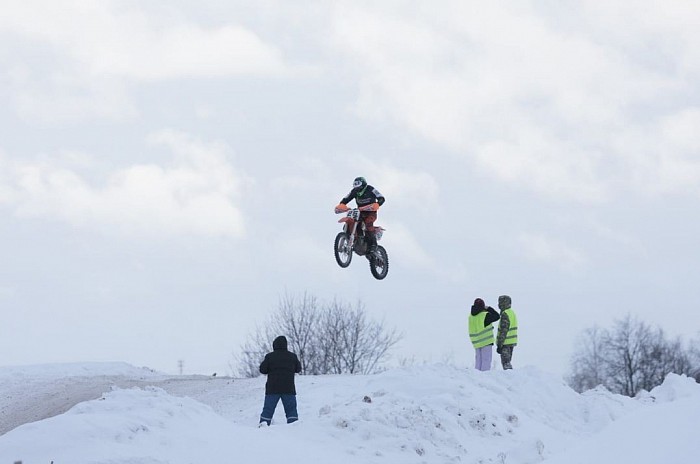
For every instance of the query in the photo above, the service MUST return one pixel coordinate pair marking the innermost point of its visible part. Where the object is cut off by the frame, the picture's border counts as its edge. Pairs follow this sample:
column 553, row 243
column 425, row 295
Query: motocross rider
column 368, row 201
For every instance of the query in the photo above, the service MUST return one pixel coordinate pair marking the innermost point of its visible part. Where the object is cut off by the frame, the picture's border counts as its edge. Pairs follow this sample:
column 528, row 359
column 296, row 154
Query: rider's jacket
column 364, row 196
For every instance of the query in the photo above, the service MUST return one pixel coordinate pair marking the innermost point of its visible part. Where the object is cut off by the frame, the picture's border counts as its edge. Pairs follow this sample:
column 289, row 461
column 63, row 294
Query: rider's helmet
column 359, row 182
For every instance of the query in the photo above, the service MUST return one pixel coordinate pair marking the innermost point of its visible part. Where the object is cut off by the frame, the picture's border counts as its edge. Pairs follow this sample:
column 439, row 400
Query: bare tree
column 246, row 362
column 360, row 344
column 588, row 364
column 329, row 342
column 629, row 358
column 694, row 358
column 626, row 347
column 333, row 338
column 298, row 320
column 661, row 357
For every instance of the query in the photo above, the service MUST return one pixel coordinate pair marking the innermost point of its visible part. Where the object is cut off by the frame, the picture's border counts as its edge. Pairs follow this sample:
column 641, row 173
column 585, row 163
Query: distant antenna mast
column 181, row 365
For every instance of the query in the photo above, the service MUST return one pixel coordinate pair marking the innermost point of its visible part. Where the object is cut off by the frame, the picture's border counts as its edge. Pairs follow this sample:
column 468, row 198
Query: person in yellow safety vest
column 507, row 332
column 481, row 322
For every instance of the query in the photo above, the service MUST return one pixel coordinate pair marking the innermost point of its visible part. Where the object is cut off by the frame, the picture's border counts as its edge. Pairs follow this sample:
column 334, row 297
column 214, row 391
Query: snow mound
column 675, row 387
column 663, row 428
column 451, row 415
column 423, row 414
column 41, row 372
column 145, row 426
column 130, row 424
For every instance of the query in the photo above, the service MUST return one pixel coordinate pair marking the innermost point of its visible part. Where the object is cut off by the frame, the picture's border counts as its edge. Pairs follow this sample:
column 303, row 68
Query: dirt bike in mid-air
column 354, row 238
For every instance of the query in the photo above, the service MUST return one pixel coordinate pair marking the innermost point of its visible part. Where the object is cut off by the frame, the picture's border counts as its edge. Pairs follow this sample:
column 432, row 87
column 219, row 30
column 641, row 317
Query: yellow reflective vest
column 480, row 335
column 512, row 334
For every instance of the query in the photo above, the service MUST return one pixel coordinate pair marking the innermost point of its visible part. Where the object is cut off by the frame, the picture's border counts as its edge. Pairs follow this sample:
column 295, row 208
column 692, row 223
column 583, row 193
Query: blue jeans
column 289, row 402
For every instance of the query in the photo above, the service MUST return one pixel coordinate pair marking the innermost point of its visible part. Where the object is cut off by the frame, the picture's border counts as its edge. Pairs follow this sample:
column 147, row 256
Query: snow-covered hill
column 116, row 413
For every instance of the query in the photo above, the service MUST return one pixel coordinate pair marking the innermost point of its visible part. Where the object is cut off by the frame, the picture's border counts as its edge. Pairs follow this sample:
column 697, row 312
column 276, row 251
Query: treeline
column 328, row 337
column 630, row 357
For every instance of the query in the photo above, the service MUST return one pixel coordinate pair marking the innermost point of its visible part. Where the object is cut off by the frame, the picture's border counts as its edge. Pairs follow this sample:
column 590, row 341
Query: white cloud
column 537, row 97
column 309, row 173
column 195, row 194
column 665, row 153
column 67, row 98
column 406, row 188
column 404, row 249
column 72, row 60
column 117, row 39
column 6, row 292
column 549, row 166
column 540, row 248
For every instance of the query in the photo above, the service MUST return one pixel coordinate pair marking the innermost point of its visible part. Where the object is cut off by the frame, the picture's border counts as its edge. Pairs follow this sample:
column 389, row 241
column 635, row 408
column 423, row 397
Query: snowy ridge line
column 39, row 392
column 427, row 414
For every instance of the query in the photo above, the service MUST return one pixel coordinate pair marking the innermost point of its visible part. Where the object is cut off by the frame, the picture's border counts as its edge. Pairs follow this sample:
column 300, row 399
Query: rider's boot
column 372, row 246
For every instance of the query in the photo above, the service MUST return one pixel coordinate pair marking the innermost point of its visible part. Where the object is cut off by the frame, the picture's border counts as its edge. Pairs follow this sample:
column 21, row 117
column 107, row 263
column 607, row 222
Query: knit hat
column 479, row 305
column 504, row 302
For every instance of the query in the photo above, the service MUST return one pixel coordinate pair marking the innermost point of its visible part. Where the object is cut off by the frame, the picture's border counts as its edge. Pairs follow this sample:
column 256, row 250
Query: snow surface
column 117, row 413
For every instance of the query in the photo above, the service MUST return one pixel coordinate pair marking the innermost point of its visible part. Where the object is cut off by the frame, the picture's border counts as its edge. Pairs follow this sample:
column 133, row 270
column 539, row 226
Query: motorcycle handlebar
column 341, row 211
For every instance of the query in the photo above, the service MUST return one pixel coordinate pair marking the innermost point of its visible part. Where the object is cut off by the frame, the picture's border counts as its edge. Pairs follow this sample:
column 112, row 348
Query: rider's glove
column 341, row 208
column 372, row 207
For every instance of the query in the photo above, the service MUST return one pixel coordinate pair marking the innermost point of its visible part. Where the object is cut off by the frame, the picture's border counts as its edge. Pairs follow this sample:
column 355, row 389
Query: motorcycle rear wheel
column 379, row 265
column 342, row 250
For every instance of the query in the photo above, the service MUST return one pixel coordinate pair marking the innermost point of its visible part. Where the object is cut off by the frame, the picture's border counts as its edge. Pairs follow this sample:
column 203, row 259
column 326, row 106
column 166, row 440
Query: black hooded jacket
column 280, row 367
column 491, row 316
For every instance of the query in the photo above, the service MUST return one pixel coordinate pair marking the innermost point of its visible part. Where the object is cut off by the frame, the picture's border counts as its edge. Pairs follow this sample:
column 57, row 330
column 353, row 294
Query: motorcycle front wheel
column 342, row 250
column 379, row 264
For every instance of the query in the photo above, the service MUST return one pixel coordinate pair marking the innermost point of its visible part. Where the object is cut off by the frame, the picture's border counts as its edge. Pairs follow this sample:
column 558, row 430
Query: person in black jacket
column 280, row 366
column 368, row 200
column 481, row 322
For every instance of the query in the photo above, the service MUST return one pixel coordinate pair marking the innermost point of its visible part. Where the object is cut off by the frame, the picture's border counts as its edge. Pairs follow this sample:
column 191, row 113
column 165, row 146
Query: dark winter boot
column 371, row 245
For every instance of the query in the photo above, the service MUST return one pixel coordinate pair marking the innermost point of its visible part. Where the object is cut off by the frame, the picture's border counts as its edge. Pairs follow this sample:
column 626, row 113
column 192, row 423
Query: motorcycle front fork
column 351, row 238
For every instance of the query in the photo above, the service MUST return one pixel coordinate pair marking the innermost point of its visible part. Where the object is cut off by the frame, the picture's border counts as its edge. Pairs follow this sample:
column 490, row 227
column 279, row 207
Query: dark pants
column 368, row 217
column 290, row 407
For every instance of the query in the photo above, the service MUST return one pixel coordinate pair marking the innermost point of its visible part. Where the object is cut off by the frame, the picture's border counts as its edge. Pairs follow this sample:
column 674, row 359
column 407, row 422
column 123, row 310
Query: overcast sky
column 168, row 171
